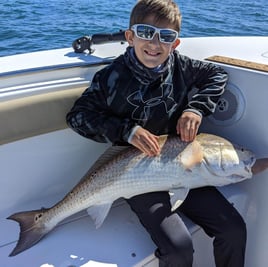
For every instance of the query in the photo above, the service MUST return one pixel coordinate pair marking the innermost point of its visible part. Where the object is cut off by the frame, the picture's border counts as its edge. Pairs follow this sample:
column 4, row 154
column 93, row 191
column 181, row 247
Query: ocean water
column 34, row 25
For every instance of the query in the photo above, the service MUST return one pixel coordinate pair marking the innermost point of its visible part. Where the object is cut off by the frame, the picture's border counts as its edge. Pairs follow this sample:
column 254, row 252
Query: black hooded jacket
column 117, row 99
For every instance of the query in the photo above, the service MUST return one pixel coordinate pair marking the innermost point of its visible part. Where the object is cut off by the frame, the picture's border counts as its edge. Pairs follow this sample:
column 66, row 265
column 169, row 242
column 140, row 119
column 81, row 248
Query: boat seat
column 35, row 114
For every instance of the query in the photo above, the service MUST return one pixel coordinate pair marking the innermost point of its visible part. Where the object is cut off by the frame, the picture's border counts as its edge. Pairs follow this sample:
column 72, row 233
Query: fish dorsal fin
column 114, row 151
column 162, row 140
column 191, row 155
column 177, row 196
column 107, row 156
column 98, row 213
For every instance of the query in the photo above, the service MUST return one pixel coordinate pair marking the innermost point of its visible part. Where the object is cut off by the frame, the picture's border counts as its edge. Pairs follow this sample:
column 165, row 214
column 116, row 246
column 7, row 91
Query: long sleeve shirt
column 117, row 101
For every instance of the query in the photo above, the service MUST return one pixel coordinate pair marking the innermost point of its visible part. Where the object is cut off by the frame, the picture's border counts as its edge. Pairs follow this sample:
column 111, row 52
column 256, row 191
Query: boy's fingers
column 146, row 142
column 187, row 126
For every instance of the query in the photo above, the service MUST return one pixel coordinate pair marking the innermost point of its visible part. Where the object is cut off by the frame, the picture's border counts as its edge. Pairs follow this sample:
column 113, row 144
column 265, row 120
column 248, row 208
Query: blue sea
column 34, row 25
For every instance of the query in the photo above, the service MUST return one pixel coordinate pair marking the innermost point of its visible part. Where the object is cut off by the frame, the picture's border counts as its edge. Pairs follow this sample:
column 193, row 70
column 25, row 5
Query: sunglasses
column 147, row 32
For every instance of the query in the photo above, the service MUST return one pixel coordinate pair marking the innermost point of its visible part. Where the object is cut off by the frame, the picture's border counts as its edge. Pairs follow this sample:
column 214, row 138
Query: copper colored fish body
column 125, row 172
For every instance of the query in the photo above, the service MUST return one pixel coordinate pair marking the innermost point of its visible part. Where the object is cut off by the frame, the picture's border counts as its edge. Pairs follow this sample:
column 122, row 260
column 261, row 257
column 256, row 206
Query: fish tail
column 32, row 229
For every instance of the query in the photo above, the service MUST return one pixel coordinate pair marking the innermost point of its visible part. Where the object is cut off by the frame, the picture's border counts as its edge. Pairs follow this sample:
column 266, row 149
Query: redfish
column 126, row 172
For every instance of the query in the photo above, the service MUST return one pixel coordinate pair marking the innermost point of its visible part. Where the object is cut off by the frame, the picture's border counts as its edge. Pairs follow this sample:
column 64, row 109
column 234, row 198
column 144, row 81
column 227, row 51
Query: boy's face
column 151, row 53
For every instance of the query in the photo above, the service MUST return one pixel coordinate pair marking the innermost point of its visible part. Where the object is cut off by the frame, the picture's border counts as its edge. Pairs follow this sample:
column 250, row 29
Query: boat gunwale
column 36, row 70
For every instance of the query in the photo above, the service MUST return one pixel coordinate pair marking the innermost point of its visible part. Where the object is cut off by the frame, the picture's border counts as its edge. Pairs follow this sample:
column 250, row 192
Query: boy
column 143, row 94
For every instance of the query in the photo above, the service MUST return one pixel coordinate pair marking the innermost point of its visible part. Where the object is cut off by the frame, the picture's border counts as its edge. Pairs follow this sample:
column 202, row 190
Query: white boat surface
column 41, row 159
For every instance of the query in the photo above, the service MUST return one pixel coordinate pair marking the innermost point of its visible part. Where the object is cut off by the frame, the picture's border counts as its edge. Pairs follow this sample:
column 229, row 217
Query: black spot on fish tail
column 32, row 229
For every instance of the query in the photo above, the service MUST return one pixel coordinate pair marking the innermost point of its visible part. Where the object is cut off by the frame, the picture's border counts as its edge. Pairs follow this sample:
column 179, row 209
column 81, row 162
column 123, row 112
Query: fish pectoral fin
column 177, row 196
column 191, row 155
column 98, row 213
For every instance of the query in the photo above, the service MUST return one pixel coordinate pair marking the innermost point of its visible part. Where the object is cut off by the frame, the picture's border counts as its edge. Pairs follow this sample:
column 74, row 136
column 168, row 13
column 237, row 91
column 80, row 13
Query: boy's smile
column 151, row 53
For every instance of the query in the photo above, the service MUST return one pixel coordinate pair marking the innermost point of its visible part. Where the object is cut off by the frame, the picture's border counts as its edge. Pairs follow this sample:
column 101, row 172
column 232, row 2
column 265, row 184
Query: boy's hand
column 188, row 125
column 146, row 142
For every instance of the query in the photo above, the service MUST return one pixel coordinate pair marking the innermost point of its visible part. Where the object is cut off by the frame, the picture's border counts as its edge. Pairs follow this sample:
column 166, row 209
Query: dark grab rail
column 84, row 43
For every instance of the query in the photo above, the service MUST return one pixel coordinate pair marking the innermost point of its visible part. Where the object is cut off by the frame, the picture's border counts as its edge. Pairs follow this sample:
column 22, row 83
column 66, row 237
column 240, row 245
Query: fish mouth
column 249, row 164
column 247, row 168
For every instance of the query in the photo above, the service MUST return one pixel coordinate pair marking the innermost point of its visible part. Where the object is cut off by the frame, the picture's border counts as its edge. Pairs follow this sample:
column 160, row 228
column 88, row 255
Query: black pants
column 206, row 207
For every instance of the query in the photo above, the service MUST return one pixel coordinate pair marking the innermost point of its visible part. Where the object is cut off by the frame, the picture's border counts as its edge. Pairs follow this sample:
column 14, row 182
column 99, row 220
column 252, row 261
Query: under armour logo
column 143, row 106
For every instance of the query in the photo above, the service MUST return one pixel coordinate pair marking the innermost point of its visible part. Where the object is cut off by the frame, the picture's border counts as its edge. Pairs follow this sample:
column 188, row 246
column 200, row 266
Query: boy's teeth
column 152, row 53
